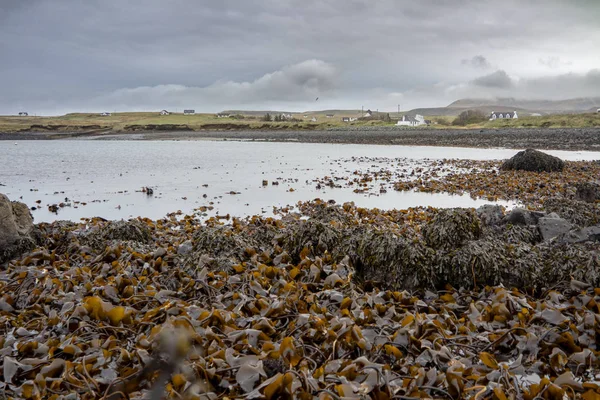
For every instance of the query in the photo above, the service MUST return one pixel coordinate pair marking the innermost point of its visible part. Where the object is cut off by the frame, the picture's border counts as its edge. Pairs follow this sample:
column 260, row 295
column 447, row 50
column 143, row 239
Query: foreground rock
column 16, row 228
column 534, row 161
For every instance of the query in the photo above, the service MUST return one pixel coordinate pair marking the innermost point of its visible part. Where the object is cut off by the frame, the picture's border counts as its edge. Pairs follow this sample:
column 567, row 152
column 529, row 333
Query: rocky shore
column 587, row 139
column 328, row 301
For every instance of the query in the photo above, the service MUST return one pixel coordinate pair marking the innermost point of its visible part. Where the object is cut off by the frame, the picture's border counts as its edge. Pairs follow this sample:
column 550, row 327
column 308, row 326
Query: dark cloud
column 498, row 79
column 65, row 54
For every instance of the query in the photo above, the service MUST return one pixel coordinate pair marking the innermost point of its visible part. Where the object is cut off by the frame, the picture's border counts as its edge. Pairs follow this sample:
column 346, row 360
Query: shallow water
column 108, row 176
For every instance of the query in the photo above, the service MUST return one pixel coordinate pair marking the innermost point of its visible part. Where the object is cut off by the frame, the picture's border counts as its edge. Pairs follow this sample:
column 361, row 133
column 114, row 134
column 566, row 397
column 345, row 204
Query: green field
column 123, row 122
column 140, row 121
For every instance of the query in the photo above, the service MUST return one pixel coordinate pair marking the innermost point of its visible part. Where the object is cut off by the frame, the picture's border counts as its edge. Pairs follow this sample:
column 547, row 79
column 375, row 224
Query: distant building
column 506, row 115
column 353, row 119
column 189, row 112
column 305, row 116
column 407, row 120
column 24, row 114
column 368, row 114
column 598, row 110
column 345, row 119
column 221, row 115
column 329, row 115
column 105, row 114
column 164, row 112
column 313, row 119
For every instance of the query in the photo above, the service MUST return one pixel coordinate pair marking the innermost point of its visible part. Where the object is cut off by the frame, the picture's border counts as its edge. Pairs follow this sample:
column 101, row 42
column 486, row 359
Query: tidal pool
column 108, row 176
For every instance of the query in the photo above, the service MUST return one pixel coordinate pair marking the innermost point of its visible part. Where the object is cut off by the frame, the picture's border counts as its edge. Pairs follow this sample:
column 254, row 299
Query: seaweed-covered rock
column 451, row 228
column 318, row 236
column 483, row 262
column 16, row 227
column 588, row 192
column 534, row 161
column 392, row 261
column 122, row 231
column 576, row 212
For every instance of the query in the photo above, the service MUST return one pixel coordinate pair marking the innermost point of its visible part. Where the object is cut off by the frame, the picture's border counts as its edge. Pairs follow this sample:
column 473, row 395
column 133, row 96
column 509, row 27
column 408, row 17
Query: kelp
column 139, row 320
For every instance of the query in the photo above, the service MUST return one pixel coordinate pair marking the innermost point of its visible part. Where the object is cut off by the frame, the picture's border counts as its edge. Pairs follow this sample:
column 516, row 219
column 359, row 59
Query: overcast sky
column 59, row 56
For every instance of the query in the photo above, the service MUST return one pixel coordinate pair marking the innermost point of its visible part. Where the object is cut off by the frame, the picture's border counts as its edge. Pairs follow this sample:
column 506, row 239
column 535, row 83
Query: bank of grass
column 123, row 122
column 588, row 120
column 131, row 121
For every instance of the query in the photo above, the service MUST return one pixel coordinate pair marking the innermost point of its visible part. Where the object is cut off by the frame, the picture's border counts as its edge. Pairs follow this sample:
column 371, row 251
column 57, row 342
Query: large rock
column 533, row 160
column 16, row 228
column 587, row 234
column 490, row 214
column 520, row 216
column 553, row 226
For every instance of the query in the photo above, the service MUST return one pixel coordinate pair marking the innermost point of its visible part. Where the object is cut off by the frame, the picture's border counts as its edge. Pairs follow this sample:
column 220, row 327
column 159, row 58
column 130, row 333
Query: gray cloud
column 498, row 79
column 293, row 84
column 65, row 55
column 478, row 61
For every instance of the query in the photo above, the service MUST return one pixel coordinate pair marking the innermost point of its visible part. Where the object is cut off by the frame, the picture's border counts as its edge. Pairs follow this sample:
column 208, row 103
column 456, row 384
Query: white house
column 418, row 120
column 329, row 115
column 313, row 119
column 24, row 114
column 345, row 119
column 189, row 112
column 105, row 114
column 221, row 115
column 369, row 113
column 164, row 112
column 598, row 110
column 506, row 115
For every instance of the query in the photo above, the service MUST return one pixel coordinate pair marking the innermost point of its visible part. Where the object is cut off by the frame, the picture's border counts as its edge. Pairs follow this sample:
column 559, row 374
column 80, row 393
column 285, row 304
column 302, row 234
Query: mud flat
column 554, row 138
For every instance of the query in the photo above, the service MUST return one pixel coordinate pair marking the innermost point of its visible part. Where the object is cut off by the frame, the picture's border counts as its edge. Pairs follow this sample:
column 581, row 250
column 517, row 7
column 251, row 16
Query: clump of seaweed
column 451, row 228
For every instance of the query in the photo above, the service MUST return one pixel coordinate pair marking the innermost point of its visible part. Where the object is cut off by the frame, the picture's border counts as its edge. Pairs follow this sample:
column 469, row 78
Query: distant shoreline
column 581, row 139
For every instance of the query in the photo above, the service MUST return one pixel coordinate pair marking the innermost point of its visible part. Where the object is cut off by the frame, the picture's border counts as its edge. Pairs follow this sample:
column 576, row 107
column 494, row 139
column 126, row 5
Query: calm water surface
column 108, row 176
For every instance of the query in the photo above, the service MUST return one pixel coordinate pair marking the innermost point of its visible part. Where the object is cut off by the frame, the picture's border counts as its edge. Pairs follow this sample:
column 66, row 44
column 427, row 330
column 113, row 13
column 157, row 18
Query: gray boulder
column 587, row 234
column 490, row 214
column 553, row 226
column 16, row 228
column 520, row 216
column 533, row 160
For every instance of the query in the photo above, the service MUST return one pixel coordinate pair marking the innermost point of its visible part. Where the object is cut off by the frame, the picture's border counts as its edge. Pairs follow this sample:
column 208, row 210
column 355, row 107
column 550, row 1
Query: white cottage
column 506, row 115
column 406, row 120
column 164, row 112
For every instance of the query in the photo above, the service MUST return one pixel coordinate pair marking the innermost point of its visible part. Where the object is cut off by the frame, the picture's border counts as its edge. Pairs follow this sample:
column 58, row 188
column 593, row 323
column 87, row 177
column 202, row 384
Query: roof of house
column 504, row 113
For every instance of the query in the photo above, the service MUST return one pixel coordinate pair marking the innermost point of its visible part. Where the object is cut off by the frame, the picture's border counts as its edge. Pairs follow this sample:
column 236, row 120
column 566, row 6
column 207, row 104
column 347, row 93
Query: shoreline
column 577, row 139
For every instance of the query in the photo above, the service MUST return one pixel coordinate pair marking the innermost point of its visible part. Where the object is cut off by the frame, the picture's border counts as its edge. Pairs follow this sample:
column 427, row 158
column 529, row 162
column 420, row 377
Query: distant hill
column 578, row 105
column 320, row 112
